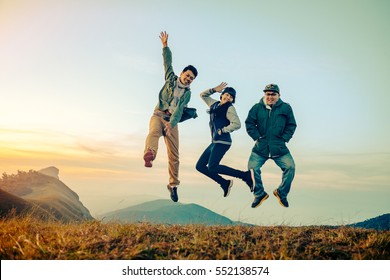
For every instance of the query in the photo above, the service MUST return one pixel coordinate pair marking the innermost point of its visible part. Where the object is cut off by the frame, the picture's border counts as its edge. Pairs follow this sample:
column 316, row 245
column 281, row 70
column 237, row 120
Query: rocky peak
column 50, row 171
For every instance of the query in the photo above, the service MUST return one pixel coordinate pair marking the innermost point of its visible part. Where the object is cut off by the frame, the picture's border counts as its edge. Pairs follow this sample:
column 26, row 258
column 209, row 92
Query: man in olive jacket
column 271, row 124
column 173, row 97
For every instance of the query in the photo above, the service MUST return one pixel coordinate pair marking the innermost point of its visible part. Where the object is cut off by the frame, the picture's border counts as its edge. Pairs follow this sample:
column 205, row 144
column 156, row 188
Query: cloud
column 27, row 148
column 364, row 172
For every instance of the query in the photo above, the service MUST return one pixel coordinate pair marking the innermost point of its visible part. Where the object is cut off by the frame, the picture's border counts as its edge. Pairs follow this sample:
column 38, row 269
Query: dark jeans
column 208, row 164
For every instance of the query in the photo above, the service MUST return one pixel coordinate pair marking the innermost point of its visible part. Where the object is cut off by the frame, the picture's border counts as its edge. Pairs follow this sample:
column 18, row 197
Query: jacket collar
column 262, row 101
column 180, row 84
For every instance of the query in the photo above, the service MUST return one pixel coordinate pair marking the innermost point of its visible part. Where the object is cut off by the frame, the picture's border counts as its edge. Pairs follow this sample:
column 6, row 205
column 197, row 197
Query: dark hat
column 231, row 91
column 272, row 87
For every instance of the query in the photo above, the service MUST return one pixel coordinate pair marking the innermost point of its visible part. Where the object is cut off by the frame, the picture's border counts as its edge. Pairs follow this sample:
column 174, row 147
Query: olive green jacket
column 165, row 96
column 271, row 128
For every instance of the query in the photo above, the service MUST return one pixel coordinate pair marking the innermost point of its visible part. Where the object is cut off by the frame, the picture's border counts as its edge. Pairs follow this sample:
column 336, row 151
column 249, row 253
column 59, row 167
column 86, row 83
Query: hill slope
column 43, row 191
column 166, row 212
column 9, row 201
column 379, row 223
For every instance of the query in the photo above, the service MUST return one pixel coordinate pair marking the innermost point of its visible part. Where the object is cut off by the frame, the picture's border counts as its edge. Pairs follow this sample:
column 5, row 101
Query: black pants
column 209, row 164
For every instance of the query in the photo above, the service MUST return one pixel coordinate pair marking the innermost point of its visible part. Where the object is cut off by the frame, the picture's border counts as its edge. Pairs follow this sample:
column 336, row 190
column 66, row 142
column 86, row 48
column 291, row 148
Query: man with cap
column 223, row 121
column 271, row 124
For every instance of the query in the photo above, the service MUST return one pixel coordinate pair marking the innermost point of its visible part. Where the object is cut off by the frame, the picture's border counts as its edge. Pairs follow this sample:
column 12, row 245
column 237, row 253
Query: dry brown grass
column 27, row 238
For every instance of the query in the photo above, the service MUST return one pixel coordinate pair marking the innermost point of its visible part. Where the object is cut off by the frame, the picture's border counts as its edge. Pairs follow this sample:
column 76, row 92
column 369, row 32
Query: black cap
column 272, row 87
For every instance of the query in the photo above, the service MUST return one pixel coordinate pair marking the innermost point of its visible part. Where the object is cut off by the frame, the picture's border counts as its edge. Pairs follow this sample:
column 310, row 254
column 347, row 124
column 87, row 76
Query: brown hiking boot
column 148, row 158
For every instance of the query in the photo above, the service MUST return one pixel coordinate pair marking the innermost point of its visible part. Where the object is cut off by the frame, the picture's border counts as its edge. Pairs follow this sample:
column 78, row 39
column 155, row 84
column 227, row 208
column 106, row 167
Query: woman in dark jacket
column 223, row 121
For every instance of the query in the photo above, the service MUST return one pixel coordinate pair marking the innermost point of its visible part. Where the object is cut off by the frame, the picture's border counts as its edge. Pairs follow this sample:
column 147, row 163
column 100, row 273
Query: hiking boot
column 249, row 179
column 173, row 192
column 282, row 201
column 148, row 158
column 259, row 200
column 226, row 187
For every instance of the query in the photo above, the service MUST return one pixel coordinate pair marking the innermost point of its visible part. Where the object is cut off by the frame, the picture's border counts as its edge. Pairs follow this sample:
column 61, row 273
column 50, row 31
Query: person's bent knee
column 199, row 166
column 290, row 167
column 213, row 168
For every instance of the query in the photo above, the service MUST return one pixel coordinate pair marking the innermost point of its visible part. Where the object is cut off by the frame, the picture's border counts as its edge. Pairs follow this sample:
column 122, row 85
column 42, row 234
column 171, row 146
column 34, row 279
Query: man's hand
column 164, row 38
column 220, row 87
column 168, row 128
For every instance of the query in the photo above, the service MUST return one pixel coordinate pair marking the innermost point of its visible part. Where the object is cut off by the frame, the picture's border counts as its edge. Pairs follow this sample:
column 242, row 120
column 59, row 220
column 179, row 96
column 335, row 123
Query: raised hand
column 164, row 38
column 220, row 87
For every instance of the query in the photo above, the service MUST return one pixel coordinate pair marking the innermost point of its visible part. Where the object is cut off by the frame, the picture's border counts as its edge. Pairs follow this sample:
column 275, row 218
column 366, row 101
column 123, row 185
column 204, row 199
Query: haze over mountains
column 42, row 194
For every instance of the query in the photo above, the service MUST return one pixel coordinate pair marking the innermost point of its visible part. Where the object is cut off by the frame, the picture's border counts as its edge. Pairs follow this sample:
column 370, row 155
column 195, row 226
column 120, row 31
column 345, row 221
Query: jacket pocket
column 261, row 147
column 278, row 149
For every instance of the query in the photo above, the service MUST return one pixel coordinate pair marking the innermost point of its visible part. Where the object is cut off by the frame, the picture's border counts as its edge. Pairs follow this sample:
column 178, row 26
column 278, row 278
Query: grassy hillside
column 26, row 238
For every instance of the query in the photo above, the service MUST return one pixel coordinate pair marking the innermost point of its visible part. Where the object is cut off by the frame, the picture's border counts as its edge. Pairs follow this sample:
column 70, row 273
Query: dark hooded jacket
column 271, row 128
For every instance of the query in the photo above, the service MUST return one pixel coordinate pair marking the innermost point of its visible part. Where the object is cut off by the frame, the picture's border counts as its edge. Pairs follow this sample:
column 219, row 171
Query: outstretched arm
column 167, row 56
column 164, row 38
column 205, row 95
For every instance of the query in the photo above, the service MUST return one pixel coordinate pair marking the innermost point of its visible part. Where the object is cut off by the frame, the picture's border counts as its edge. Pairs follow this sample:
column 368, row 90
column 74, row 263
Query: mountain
column 43, row 192
column 9, row 201
column 164, row 211
column 51, row 171
column 379, row 223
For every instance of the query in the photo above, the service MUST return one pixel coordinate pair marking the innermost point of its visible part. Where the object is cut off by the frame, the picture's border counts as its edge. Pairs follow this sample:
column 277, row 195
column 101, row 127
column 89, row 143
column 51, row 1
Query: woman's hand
column 220, row 87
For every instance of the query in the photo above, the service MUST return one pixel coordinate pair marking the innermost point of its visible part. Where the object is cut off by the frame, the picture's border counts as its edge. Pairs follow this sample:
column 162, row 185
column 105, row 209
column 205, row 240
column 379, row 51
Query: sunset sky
column 79, row 80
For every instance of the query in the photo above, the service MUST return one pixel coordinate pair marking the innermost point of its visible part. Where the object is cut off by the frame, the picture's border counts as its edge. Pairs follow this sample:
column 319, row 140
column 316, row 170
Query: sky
column 79, row 81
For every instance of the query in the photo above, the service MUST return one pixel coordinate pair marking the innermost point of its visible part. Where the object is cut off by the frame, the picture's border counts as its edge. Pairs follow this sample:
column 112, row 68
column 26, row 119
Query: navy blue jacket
column 218, row 121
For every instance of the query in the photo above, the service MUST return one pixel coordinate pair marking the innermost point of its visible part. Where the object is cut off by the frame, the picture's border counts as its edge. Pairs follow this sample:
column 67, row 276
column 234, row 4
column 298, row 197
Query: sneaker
column 148, row 158
column 173, row 192
column 226, row 188
column 282, row 201
column 249, row 179
column 259, row 200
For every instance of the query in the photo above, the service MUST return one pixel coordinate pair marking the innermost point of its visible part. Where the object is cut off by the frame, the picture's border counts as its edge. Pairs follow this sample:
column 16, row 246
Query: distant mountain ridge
column 379, row 223
column 43, row 194
column 164, row 211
